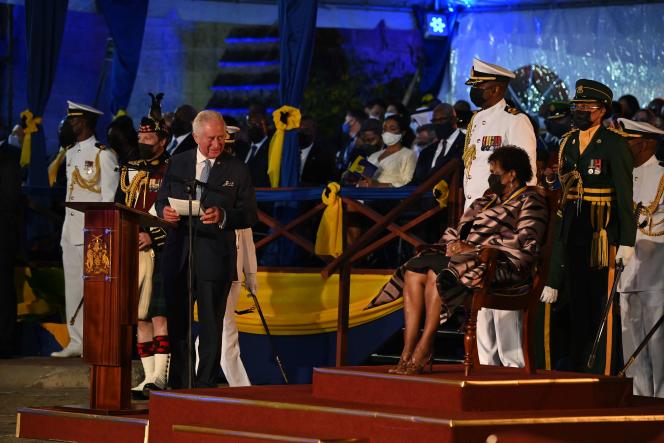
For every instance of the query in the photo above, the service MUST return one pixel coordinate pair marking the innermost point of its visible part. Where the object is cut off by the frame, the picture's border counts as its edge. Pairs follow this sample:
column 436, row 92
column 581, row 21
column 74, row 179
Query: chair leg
column 470, row 342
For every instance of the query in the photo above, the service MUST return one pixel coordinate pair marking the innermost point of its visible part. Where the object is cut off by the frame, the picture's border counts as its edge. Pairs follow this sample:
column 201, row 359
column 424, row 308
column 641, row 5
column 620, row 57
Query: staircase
column 248, row 71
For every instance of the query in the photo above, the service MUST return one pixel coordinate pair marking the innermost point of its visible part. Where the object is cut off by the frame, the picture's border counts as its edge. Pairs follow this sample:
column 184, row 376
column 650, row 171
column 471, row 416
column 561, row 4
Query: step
column 56, row 424
column 282, row 410
column 205, row 434
column 497, row 389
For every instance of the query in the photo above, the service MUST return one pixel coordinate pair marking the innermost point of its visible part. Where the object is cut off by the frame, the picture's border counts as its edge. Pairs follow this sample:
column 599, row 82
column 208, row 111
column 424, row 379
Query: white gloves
column 251, row 282
column 549, row 295
column 626, row 253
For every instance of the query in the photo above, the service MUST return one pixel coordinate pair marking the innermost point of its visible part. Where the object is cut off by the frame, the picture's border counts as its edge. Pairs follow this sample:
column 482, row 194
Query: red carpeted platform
column 366, row 404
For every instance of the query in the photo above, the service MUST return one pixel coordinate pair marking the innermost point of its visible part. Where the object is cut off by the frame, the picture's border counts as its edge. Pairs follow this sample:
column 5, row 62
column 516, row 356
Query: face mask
column 146, row 151
column 255, row 134
column 303, row 140
column 581, row 119
column 390, row 138
column 66, row 136
column 13, row 140
column 477, row 96
column 443, row 130
column 345, row 128
column 179, row 127
column 495, row 185
column 368, row 149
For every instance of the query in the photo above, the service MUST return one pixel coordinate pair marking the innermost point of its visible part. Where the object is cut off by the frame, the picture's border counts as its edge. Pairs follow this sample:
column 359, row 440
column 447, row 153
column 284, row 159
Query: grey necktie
column 205, row 174
column 172, row 146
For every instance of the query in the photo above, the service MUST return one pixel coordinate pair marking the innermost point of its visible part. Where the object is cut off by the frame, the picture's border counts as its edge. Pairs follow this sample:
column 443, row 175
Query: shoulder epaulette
column 511, row 110
column 621, row 133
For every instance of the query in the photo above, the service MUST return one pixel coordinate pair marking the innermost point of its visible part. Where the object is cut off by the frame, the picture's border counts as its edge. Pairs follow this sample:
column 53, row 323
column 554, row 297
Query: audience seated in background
column 375, row 109
column 425, row 135
column 350, row 130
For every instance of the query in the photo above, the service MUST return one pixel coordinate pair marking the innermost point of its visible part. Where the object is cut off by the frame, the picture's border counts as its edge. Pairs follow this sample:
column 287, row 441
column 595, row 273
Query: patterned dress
column 515, row 227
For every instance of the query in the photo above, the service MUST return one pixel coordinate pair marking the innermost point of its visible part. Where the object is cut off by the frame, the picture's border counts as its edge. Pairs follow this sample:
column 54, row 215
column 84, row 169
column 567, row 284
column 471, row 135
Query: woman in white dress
column 396, row 163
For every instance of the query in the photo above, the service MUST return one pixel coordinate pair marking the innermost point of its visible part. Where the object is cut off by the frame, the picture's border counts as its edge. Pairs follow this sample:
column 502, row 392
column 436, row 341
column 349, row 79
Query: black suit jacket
column 187, row 144
column 423, row 169
column 319, row 168
column 10, row 194
column 258, row 166
column 229, row 188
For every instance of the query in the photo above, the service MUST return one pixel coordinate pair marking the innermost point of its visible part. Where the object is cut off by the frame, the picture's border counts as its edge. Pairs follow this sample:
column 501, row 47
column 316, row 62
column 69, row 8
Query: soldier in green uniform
column 595, row 172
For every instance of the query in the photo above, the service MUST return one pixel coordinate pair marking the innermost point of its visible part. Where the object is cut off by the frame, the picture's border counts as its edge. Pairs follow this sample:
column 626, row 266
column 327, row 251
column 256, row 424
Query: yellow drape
column 441, row 192
column 329, row 238
column 120, row 113
column 31, row 123
column 305, row 304
column 55, row 165
column 293, row 117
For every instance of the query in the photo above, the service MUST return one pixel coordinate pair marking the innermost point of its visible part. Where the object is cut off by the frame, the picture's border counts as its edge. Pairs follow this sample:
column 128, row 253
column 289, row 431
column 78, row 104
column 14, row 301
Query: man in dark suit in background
column 434, row 157
column 183, row 139
column 449, row 146
column 10, row 191
column 228, row 202
column 316, row 163
column 257, row 157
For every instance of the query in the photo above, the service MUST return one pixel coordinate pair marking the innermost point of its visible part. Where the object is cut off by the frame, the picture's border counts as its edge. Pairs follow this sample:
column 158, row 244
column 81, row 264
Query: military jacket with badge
column 489, row 129
column 92, row 176
column 596, row 199
column 139, row 183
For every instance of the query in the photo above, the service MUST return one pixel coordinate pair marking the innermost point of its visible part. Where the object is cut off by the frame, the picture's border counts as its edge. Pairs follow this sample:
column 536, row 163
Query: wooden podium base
column 136, row 408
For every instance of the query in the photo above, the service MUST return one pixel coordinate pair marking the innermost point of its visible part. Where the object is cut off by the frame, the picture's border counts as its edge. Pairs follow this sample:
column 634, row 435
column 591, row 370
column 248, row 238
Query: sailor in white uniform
column 641, row 285
column 92, row 176
column 495, row 125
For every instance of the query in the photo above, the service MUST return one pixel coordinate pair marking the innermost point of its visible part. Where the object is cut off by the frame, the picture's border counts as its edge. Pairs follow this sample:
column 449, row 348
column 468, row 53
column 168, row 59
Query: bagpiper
column 139, row 182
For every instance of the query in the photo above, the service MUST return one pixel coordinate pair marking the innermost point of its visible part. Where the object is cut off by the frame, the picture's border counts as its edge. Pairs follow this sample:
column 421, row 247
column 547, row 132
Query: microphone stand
column 191, row 190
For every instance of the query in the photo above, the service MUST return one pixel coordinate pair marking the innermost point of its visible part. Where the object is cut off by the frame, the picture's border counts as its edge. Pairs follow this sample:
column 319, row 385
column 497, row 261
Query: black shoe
column 150, row 387
column 138, row 395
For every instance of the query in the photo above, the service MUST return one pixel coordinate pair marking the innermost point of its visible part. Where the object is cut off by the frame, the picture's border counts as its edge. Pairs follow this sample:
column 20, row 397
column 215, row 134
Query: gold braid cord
column 91, row 184
column 569, row 179
column 469, row 151
column 649, row 212
column 133, row 189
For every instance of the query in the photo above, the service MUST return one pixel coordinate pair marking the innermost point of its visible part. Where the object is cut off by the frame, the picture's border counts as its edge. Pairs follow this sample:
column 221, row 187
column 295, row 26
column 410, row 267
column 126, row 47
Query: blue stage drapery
column 45, row 24
column 297, row 27
column 126, row 23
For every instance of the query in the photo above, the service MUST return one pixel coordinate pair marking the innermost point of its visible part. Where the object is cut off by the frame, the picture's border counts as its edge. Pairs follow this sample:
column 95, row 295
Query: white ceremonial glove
column 251, row 282
column 549, row 295
column 625, row 253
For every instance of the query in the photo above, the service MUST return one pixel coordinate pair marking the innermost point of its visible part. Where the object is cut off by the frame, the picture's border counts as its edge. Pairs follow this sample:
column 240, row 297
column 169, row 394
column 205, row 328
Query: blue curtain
column 297, row 27
column 126, row 23
column 45, row 24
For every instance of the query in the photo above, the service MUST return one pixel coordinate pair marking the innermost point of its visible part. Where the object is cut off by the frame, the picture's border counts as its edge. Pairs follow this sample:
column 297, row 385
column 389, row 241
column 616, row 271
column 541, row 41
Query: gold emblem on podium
column 97, row 257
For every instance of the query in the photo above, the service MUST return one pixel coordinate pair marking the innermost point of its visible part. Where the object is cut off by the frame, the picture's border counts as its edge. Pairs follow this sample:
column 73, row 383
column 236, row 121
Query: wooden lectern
column 110, row 298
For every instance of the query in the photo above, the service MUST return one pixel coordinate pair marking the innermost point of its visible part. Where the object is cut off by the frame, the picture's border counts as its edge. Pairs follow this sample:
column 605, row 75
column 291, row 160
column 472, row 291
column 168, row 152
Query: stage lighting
column 436, row 25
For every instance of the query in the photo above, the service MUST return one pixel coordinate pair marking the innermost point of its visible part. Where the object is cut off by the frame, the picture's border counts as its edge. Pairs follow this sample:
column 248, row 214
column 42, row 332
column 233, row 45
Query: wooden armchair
column 490, row 297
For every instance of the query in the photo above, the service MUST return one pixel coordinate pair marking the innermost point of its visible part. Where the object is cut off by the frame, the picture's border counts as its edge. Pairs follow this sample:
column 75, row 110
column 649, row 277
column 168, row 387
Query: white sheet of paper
column 182, row 206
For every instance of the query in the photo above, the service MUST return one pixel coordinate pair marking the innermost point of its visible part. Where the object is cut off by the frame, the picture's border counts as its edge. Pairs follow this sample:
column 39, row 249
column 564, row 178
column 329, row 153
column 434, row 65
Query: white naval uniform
column 82, row 156
column 641, row 290
column 231, row 363
column 498, row 332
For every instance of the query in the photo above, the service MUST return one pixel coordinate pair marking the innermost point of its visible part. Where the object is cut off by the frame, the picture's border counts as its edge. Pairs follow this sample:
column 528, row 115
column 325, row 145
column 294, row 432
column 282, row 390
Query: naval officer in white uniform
column 92, row 176
column 641, row 285
column 495, row 125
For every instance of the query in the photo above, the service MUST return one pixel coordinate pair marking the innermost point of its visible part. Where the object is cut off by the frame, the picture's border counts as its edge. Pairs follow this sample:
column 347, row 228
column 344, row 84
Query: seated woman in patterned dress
column 512, row 218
